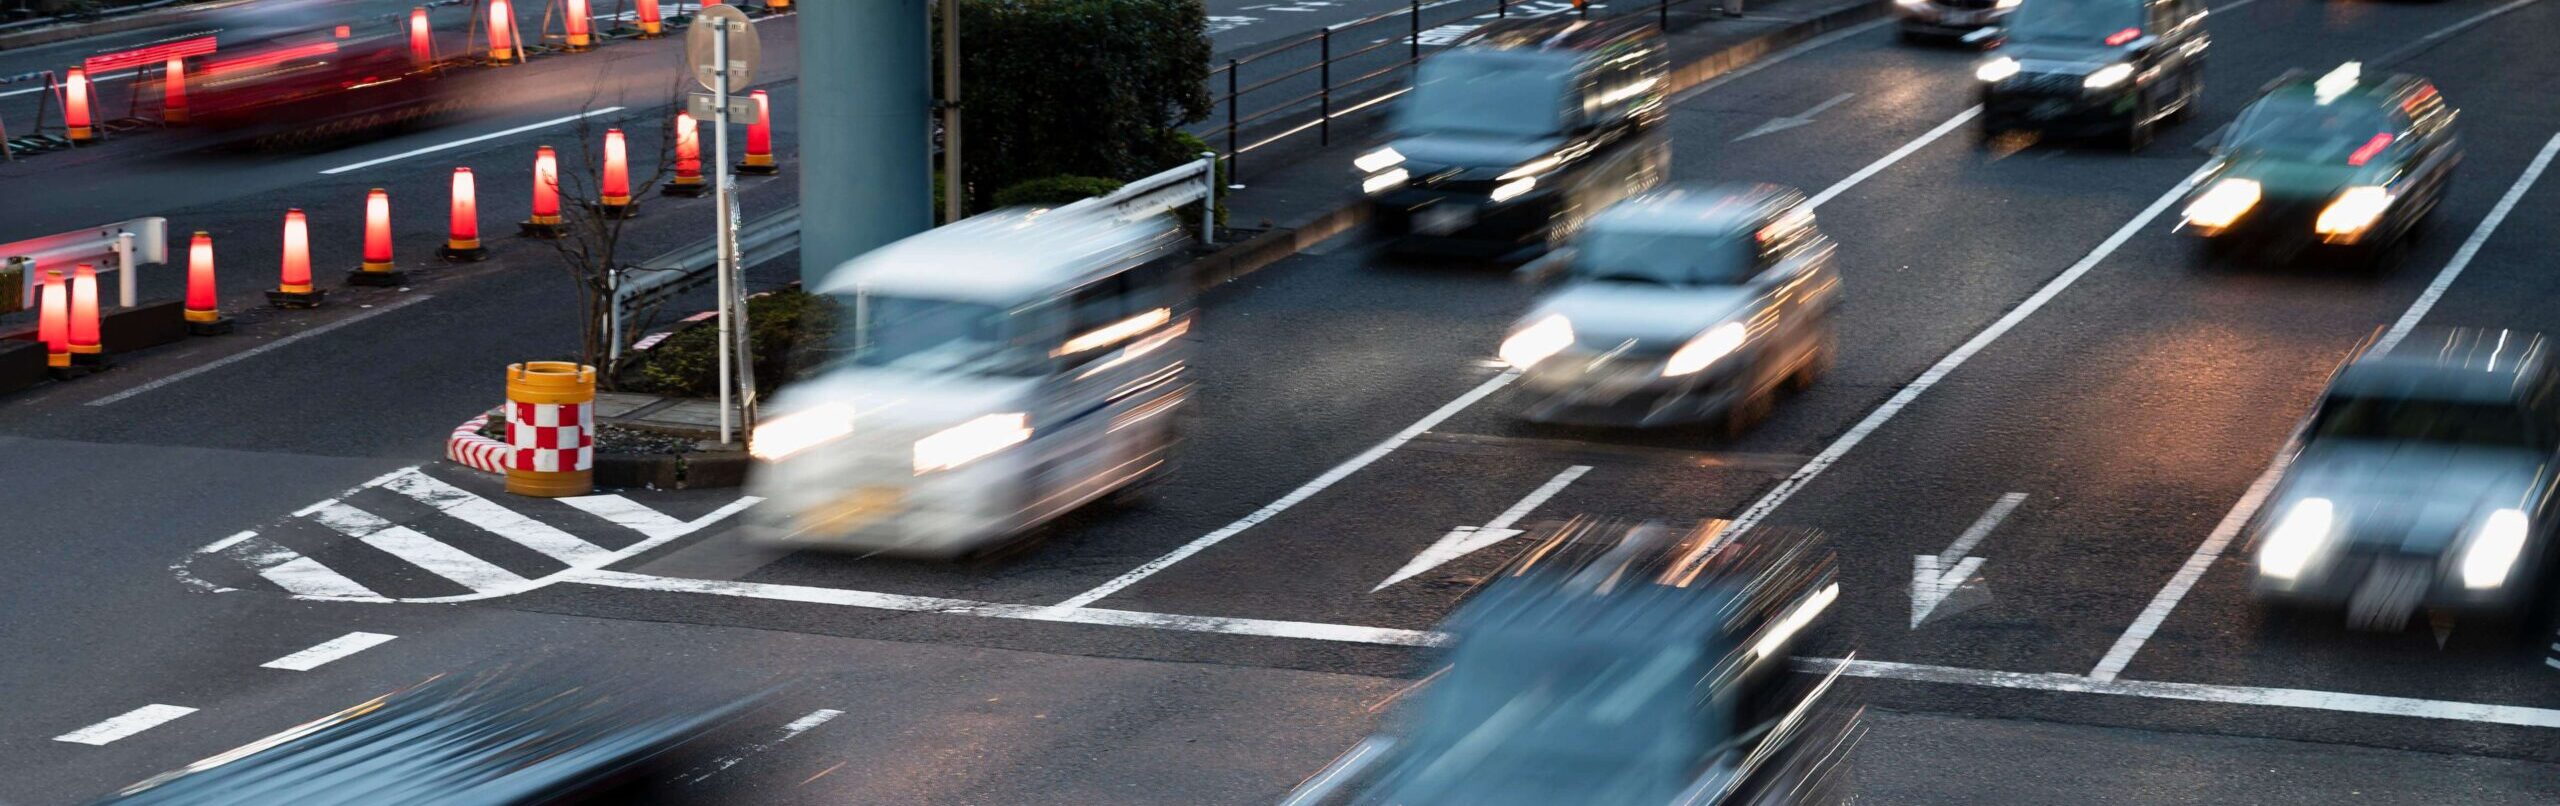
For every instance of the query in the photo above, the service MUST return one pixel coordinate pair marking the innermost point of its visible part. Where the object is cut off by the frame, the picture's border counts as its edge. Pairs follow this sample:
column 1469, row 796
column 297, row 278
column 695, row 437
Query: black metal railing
column 1357, row 65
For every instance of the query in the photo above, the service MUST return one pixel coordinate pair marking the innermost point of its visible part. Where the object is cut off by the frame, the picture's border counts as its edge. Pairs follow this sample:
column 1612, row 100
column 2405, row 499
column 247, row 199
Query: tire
column 1826, row 353
column 2190, row 93
column 2137, row 131
column 1746, row 413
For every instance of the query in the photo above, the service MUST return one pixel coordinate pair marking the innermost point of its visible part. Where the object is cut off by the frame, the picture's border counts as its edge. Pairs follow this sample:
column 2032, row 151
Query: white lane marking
column 1785, row 122
column 2121, row 655
column 1929, row 379
column 1934, row 577
column 127, row 724
column 1982, row 527
column 1465, row 540
column 1313, row 631
column 1304, row 492
column 288, row 569
column 789, row 732
column 331, row 650
column 651, row 522
column 93, row 80
column 2198, row 692
column 467, row 141
column 1895, row 156
column 442, row 560
column 2470, row 247
column 1790, row 53
column 495, row 519
column 253, row 352
column 2428, row 41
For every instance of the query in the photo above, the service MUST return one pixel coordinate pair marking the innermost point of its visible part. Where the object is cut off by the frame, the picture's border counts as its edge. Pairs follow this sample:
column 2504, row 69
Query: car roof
column 1006, row 257
column 2476, row 365
column 2347, row 82
column 1602, row 579
column 1731, row 207
column 1556, row 32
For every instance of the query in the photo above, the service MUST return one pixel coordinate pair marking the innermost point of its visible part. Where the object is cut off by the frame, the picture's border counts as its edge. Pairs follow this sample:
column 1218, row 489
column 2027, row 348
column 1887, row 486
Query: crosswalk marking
column 498, row 520
column 657, row 525
column 442, row 560
column 288, row 569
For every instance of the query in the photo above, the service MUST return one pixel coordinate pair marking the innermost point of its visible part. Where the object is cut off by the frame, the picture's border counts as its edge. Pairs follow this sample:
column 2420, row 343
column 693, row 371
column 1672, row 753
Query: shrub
column 1055, row 190
column 1118, row 74
column 786, row 329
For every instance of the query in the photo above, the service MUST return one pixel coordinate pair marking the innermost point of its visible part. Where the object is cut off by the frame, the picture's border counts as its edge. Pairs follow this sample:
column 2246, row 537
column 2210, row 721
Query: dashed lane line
column 334, row 649
column 788, row 732
column 125, row 724
column 419, row 152
column 2306, row 699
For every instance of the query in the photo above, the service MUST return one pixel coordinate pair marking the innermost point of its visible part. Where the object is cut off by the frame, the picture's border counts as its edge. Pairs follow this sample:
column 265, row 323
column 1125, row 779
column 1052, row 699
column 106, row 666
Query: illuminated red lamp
column 173, row 92
column 83, row 332
column 545, row 222
column 293, row 288
column 760, row 140
column 462, row 239
column 2371, row 148
column 613, row 196
column 53, row 326
column 75, row 106
column 2123, row 36
column 204, row 304
column 377, row 267
column 688, row 180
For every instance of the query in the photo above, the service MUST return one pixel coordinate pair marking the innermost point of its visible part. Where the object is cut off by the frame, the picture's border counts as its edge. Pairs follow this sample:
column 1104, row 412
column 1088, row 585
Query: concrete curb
column 68, row 31
column 1234, row 262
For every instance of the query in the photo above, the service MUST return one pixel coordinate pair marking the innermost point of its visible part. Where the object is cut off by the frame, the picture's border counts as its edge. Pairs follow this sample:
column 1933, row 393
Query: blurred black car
column 1516, row 134
column 493, row 738
column 2344, row 163
column 1623, row 663
column 297, row 72
column 2099, row 68
column 1947, row 19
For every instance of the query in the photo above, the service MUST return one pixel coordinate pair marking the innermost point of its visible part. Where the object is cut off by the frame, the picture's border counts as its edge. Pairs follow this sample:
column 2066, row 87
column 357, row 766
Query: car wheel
column 1745, row 413
column 1825, row 353
column 2137, row 131
column 2190, row 93
column 2387, row 257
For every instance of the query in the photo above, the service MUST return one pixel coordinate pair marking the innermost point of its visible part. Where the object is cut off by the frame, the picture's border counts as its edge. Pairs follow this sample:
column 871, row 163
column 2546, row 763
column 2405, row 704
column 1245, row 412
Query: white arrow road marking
column 127, row 724
column 1465, row 540
column 1776, row 125
column 1933, row 577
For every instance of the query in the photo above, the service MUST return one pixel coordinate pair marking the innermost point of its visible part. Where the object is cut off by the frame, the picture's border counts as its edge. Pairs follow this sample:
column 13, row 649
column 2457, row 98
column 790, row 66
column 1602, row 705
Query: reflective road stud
column 462, row 240
column 760, row 140
column 377, row 268
column 83, row 333
column 293, row 289
column 75, row 107
column 688, row 181
column 53, row 320
column 613, row 196
column 204, row 306
column 545, row 222
column 551, row 429
column 173, row 92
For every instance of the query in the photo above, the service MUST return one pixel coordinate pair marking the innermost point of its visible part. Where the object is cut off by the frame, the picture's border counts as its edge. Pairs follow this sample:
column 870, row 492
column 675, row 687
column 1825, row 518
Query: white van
column 999, row 372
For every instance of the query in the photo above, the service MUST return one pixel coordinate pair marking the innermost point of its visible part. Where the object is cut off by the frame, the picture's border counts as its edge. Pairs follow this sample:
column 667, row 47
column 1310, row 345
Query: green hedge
column 1117, row 74
column 1056, row 190
column 787, row 329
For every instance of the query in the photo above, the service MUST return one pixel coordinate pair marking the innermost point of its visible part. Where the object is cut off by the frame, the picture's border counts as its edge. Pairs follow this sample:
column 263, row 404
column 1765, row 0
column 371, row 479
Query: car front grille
column 1968, row 5
column 2044, row 83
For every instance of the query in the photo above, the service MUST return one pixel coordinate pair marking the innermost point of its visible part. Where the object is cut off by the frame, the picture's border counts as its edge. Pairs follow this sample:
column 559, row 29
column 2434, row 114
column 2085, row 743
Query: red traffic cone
column 53, row 320
column 173, row 92
column 204, row 304
column 462, row 239
column 83, row 332
column 502, row 33
column 75, row 107
column 377, row 267
column 545, row 222
column 581, row 38
column 651, row 26
column 688, row 181
column 760, row 140
column 293, row 288
column 422, row 42
column 613, row 197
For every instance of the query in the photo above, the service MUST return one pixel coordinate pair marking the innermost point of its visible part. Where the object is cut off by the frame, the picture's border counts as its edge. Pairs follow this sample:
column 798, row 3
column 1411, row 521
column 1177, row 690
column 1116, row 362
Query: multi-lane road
column 2033, row 375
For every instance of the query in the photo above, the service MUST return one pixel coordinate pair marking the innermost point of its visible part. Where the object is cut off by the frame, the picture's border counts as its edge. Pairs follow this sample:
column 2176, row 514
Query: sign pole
column 725, row 187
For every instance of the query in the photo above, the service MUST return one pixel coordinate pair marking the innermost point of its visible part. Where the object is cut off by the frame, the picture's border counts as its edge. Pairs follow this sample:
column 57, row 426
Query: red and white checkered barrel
column 551, row 429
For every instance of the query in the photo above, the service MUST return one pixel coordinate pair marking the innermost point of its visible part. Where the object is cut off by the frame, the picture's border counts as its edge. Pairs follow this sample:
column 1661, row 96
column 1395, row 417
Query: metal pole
column 1324, row 97
column 1233, row 156
column 720, row 208
column 1416, row 41
column 1666, row 16
column 952, row 204
column 1209, row 202
column 1502, row 8
column 124, row 270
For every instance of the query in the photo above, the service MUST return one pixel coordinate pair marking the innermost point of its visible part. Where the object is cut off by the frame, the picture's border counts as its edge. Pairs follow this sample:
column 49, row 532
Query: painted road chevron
column 441, row 534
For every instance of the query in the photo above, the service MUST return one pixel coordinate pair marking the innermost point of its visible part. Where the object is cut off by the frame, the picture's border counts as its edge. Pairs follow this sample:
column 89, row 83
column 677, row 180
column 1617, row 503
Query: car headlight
column 2005, row 4
column 2302, row 533
column 2494, row 550
column 1378, row 160
column 2223, row 203
column 1381, row 183
column 799, row 431
column 1911, row 3
column 1512, row 189
column 2353, row 211
column 971, row 441
column 1716, row 343
column 1532, row 168
column 1997, row 69
column 1538, row 341
column 2108, row 76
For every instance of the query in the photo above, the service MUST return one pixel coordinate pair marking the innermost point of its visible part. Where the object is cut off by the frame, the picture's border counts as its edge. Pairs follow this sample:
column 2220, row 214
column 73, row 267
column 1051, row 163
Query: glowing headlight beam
column 2223, row 203
column 1378, row 160
column 1537, row 342
column 2300, row 535
column 1704, row 350
column 799, row 431
column 2353, row 212
column 1381, row 183
column 1997, row 69
column 2108, row 76
column 971, row 441
column 1512, row 189
column 2494, row 550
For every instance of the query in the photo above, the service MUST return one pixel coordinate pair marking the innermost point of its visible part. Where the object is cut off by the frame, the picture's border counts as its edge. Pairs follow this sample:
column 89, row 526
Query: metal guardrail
column 641, row 287
column 1194, row 181
column 1371, row 65
column 120, row 247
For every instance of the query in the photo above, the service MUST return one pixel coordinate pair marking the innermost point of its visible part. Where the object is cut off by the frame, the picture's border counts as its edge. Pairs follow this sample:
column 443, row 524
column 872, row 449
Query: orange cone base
column 307, row 297
column 379, row 278
column 539, row 227
column 501, row 58
column 626, row 209
column 759, row 165
column 194, row 315
column 551, row 484
column 580, row 45
column 461, row 251
column 86, row 349
column 81, row 134
column 57, row 360
column 652, row 30
column 207, row 323
column 688, row 188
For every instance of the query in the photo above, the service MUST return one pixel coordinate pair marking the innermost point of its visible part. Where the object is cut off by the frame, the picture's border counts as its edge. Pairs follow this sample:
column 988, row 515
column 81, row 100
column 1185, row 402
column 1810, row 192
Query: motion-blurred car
column 1518, row 132
column 293, row 72
column 1615, row 664
column 2423, row 479
column 1680, row 305
column 999, row 372
column 2102, row 68
column 2341, row 162
column 1942, row 19
column 480, row 740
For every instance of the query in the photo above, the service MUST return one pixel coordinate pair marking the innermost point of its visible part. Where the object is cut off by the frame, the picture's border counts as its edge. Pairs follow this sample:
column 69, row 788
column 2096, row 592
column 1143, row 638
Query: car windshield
column 932, row 335
column 2088, row 22
column 1672, row 258
column 1487, row 92
column 2297, row 128
column 2407, row 420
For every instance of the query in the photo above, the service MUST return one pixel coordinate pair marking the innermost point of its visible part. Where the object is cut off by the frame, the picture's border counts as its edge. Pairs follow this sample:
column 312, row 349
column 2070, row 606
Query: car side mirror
column 1546, row 268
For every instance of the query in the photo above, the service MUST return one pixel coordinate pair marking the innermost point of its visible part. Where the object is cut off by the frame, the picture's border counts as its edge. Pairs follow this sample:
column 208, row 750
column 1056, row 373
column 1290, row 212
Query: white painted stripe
column 2470, row 247
column 92, row 79
column 649, row 521
column 330, row 650
column 2431, row 39
column 1894, row 156
column 1981, row 528
column 411, row 546
column 253, row 352
column 1304, row 492
column 2130, row 643
column 468, row 140
column 1537, row 497
column 1929, row 379
column 130, row 723
column 1781, row 56
column 495, row 519
column 303, row 576
column 789, row 731
column 2199, row 692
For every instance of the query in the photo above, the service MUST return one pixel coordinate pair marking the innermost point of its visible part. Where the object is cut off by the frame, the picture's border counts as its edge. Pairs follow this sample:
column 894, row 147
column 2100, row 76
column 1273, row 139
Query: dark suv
column 1519, row 132
column 2112, row 69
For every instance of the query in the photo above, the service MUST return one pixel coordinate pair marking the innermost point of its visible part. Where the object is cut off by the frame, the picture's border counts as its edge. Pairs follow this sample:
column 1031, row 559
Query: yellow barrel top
column 551, row 382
